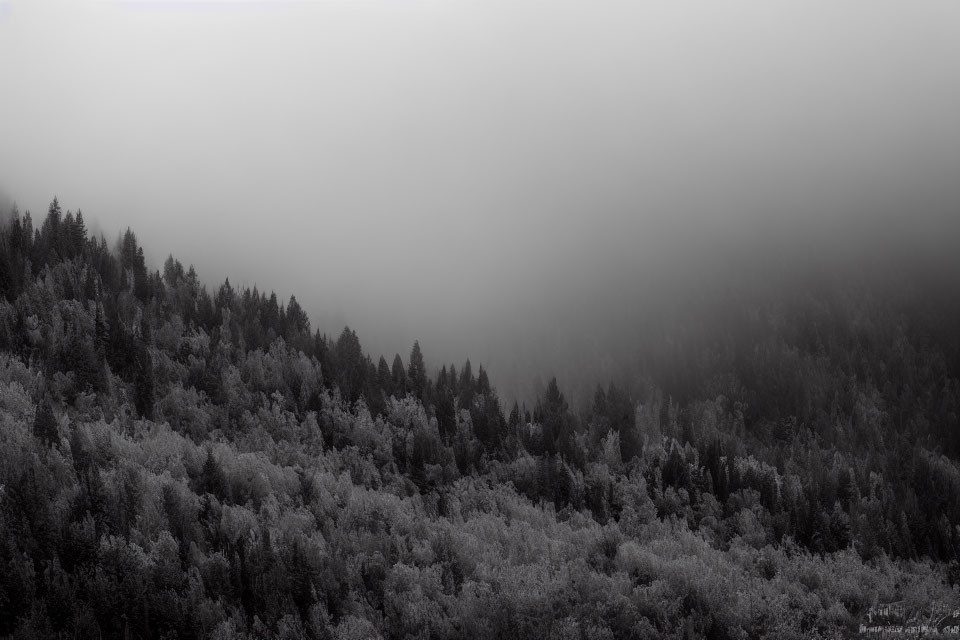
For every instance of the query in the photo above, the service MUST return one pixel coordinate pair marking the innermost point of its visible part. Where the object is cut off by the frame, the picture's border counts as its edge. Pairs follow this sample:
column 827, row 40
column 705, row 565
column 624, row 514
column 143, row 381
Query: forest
column 178, row 462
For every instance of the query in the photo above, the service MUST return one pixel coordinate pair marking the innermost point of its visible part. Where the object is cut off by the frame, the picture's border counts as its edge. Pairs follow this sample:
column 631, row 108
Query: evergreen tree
column 79, row 355
column 225, row 297
column 483, row 382
column 399, row 376
column 350, row 364
column 384, row 378
column 297, row 323
column 514, row 415
column 79, row 233
column 212, row 478
column 172, row 271
column 45, row 424
column 144, row 385
column 141, row 280
column 465, row 385
column 417, row 371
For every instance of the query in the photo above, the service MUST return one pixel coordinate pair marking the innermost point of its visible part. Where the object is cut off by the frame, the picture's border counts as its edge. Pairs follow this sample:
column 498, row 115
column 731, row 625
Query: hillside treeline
column 179, row 463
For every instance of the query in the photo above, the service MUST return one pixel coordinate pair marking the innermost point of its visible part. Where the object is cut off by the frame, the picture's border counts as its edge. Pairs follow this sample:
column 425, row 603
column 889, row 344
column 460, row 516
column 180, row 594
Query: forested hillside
column 178, row 463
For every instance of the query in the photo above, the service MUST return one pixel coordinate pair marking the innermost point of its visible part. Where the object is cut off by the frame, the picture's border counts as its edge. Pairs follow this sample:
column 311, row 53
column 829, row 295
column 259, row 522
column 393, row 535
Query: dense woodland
column 179, row 463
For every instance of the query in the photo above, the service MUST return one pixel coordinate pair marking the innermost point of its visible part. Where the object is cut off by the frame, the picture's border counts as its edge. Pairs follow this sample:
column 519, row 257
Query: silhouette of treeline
column 180, row 464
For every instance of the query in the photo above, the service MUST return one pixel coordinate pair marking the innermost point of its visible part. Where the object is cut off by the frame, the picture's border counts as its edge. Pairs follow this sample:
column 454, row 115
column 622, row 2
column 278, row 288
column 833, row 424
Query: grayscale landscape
column 340, row 319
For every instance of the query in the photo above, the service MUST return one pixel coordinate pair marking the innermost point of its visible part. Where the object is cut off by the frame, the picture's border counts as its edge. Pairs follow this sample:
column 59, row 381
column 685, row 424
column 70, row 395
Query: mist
column 512, row 182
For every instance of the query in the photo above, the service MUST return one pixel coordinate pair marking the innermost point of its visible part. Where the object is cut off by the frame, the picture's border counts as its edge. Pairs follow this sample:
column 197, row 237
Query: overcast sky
column 447, row 169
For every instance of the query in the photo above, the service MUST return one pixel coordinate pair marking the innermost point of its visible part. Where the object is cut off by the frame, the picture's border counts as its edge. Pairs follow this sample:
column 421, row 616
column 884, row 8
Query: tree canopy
column 176, row 463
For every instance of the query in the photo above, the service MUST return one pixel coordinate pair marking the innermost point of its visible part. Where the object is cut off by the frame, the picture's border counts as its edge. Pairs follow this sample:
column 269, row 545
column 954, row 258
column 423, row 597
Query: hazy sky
column 449, row 170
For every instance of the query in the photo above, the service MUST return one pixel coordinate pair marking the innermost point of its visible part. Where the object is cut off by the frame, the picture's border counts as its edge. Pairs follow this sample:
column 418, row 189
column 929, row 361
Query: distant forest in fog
column 184, row 462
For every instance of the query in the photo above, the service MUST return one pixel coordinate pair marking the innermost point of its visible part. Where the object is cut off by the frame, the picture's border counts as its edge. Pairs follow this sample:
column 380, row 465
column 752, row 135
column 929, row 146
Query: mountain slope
column 177, row 463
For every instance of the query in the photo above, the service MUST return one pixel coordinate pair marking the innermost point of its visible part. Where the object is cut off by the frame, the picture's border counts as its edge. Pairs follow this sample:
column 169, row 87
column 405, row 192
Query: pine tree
column 383, row 376
column 514, row 415
column 102, row 336
column 45, row 424
column 350, row 364
column 141, row 280
column 466, row 385
column 144, row 384
column 78, row 236
column 417, row 371
column 212, row 478
column 399, row 376
column 79, row 355
column 297, row 323
column 483, row 382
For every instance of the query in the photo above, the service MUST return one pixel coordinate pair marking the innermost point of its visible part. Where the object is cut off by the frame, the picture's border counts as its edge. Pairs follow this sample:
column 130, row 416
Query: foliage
column 181, row 464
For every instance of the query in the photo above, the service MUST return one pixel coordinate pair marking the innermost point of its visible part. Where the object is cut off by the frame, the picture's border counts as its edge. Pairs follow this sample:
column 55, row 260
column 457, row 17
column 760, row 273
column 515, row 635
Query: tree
column 351, row 365
column 446, row 414
column 297, row 322
column 80, row 355
column 399, row 377
column 557, row 422
column 144, row 384
column 212, row 478
column 7, row 277
column 417, row 371
column 45, row 424
column 225, row 296
column 384, row 379
column 483, row 382
column 466, row 385
column 51, row 231
column 172, row 271
column 141, row 280
column 78, row 234
column 270, row 316
column 102, row 334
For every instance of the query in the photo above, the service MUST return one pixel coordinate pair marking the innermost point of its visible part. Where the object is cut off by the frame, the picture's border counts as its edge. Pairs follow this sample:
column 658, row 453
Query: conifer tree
column 399, row 376
column 417, row 371
column 144, row 384
column 45, row 423
column 383, row 376
column 212, row 478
